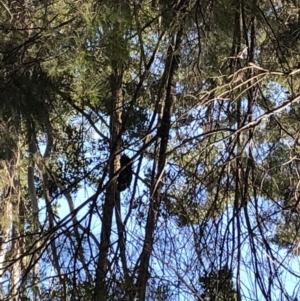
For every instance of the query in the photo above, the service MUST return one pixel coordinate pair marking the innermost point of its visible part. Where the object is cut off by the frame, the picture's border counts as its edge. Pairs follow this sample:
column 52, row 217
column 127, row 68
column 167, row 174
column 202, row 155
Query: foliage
column 218, row 286
column 202, row 97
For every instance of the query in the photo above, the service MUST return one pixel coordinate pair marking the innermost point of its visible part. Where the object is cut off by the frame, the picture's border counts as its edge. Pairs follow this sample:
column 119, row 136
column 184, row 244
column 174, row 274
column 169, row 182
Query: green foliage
column 214, row 142
column 218, row 286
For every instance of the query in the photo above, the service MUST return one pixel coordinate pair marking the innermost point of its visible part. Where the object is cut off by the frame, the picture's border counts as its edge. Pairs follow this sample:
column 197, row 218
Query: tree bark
column 171, row 68
column 110, row 198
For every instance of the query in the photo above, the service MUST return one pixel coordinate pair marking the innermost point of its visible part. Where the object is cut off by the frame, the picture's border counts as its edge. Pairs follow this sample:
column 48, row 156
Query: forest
column 149, row 150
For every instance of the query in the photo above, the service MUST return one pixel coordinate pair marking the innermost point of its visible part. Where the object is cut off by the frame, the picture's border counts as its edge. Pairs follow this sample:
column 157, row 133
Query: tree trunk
column 110, row 199
column 171, row 68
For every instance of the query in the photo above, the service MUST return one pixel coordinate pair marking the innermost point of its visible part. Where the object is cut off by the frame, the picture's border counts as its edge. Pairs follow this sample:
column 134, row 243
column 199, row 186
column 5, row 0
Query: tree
column 203, row 99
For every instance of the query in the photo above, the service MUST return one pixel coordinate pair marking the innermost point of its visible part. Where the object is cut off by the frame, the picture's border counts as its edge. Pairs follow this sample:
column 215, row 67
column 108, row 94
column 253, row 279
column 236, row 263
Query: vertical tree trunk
column 13, row 200
column 110, row 199
column 171, row 68
column 35, row 217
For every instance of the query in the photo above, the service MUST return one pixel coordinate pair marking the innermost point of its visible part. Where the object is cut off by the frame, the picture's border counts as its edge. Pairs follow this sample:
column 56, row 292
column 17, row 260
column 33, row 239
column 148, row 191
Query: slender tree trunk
column 110, row 199
column 14, row 199
column 35, row 218
column 155, row 199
